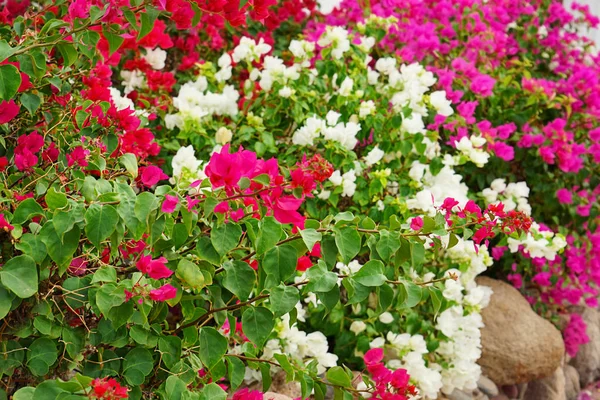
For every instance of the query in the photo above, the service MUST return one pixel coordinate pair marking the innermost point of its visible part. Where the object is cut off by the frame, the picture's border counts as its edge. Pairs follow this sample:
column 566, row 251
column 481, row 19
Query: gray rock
column 501, row 396
column 280, row 386
column 587, row 360
column 276, row 396
column 488, row 387
column 549, row 388
column 572, row 386
column 517, row 344
column 459, row 395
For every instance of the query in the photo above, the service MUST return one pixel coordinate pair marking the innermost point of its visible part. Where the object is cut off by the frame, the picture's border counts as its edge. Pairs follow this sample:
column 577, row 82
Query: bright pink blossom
column 169, row 204
column 152, row 175
column 416, row 223
column 156, row 269
column 164, row 293
column 8, row 110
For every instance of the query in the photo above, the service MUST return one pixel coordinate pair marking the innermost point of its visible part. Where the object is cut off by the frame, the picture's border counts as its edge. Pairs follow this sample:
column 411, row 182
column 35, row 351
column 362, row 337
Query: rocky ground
column 523, row 356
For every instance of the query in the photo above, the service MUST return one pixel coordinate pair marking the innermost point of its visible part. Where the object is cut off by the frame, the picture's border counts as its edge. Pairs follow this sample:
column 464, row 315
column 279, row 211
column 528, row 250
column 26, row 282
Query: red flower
column 4, row 225
column 8, row 110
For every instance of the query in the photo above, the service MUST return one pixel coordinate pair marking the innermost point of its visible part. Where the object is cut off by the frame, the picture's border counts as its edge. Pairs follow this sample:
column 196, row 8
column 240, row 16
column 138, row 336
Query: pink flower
column 78, row 156
column 503, row 151
column 25, row 160
column 79, row 9
column 4, row 225
column 516, row 280
column 416, row 223
column 151, row 175
column 564, row 196
column 373, row 356
column 226, row 169
column 164, row 293
column 247, row 394
column 483, row 85
column 78, row 266
column 8, row 110
column 222, row 207
column 156, row 269
column 285, row 211
column 169, row 204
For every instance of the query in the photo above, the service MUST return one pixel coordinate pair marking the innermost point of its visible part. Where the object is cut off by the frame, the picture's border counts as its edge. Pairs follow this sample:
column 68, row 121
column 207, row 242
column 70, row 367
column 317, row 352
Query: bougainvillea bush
column 196, row 196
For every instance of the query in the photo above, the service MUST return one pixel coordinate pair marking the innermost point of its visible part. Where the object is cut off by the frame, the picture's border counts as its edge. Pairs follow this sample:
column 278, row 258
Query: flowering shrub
column 196, row 195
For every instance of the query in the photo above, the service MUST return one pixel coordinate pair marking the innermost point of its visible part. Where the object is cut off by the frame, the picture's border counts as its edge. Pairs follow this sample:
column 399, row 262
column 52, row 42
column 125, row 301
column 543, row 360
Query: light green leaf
column 279, row 264
column 225, row 237
column 212, row 391
column 310, row 237
column 190, row 274
column 347, row 241
column 27, row 209
column 10, row 80
column 371, row 274
column 20, row 276
column 320, row 279
column 56, row 199
column 269, row 233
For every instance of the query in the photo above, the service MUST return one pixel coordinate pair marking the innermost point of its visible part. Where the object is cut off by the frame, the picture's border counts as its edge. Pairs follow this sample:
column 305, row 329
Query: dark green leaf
column 257, row 324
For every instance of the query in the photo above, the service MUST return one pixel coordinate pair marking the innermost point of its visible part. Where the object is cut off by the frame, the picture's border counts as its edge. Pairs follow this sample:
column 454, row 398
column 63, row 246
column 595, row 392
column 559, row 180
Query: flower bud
column 223, row 136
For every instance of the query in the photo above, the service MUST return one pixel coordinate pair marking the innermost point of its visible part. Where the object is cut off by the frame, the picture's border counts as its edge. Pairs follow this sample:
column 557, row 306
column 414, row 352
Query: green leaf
column 10, row 80
column 33, row 246
column 56, row 199
column 61, row 251
column 170, row 348
column 6, row 299
column 145, row 203
column 213, row 346
column 310, row 237
column 137, row 365
column 27, row 209
column 338, row 376
column 31, row 102
column 114, row 41
column 279, row 264
column 42, row 354
column 320, row 279
column 239, row 279
column 147, row 21
column 25, row 393
column 414, row 294
column 388, row 244
column 20, row 276
column 283, row 299
column 257, row 324
column 371, row 274
column 235, row 371
column 225, row 238
column 68, row 53
column 175, row 388
column 100, row 222
column 190, row 274
column 212, row 391
column 5, row 50
column 105, row 274
column 269, row 233
column 347, row 241
column 129, row 161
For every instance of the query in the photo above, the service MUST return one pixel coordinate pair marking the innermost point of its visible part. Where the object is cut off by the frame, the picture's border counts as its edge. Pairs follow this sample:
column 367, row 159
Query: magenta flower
column 156, row 269
column 169, row 204
column 416, row 223
column 163, row 293
column 151, row 175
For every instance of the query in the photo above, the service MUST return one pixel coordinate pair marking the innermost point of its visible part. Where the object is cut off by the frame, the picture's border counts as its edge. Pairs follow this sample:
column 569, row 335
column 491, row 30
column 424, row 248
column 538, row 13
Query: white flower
column 248, row 50
column 327, row 6
column 372, row 76
column 345, row 89
column 357, row 327
column 442, row 105
column 332, row 118
column 156, row 58
column 223, row 136
column 285, row 92
column 499, row 185
column 386, row 318
column 386, row 65
column 413, row 124
column 338, row 37
column 374, row 156
column 336, row 178
column 377, row 342
column 224, row 61
column 366, row 108
column 324, row 194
